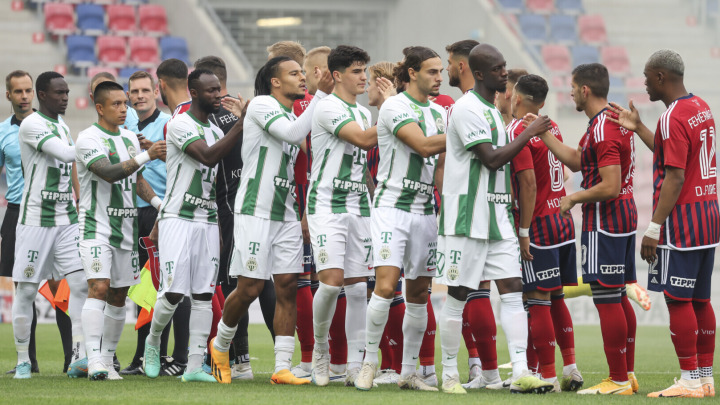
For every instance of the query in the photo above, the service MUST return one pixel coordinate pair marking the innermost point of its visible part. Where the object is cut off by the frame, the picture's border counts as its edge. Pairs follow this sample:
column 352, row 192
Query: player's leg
column 338, row 340
column 427, row 348
column 562, row 322
column 22, row 318
column 474, row 364
column 284, row 326
column 705, row 316
column 450, row 334
column 304, row 316
column 484, row 330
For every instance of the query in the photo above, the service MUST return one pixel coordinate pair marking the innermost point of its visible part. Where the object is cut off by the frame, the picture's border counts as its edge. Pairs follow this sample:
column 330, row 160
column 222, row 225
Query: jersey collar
column 15, row 121
column 427, row 104
column 149, row 120
column 595, row 116
column 48, row 118
column 281, row 104
column 197, row 120
column 105, row 130
column 482, row 99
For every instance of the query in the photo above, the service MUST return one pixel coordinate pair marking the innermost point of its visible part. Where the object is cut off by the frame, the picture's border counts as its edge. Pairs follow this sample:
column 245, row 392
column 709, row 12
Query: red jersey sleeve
column 608, row 147
column 675, row 143
column 523, row 160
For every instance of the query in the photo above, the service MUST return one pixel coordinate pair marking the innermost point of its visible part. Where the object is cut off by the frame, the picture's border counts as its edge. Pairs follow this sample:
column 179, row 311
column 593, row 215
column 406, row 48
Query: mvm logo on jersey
column 271, row 114
column 682, row 282
column 612, row 269
column 400, row 118
column 339, row 119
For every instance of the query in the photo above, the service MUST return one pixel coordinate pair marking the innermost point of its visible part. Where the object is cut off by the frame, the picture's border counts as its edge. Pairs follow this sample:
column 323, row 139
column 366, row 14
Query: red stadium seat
column 561, row 85
column 556, row 58
column 153, row 19
column 616, row 59
column 59, row 18
column 92, row 71
column 112, row 51
column 540, row 6
column 638, row 97
column 144, row 51
column 592, row 29
column 121, row 19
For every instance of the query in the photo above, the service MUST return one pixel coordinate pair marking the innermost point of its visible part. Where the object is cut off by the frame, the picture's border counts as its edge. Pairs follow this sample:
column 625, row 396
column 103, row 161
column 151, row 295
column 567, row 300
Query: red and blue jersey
column 303, row 162
column 549, row 227
column 181, row 108
column 373, row 160
column 606, row 144
column 685, row 139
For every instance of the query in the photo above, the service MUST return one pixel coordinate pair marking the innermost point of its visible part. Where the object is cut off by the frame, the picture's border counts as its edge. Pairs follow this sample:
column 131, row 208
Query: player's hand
column 158, row 150
column 528, row 119
column 144, row 142
column 628, row 119
column 154, row 234
column 525, row 249
column 326, row 83
column 566, row 204
column 237, row 106
column 648, row 249
column 539, row 125
column 305, row 229
column 386, row 87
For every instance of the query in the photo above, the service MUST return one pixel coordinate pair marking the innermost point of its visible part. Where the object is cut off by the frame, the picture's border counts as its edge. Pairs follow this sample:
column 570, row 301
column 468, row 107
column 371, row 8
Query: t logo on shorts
column 169, row 267
column 254, row 246
column 386, row 237
column 95, row 251
column 455, row 256
column 32, row 255
column 321, row 240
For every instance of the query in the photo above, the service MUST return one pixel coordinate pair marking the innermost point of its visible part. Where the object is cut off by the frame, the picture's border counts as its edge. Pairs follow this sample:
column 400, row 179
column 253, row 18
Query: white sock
column 200, row 324
column 414, row 325
column 162, row 315
column 472, row 361
column 224, row 337
column 323, row 305
column 22, row 314
column 284, row 348
column 491, row 375
column 569, row 368
column 513, row 319
column 427, row 370
column 355, row 314
column 377, row 315
column 93, row 320
column 78, row 294
column 450, row 334
column 114, row 323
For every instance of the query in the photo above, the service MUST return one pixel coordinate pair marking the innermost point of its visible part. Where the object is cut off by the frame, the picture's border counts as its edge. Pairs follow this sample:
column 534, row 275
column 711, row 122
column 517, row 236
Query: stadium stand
column 540, row 6
column 512, row 6
column 556, row 58
column 81, row 51
column 59, row 18
column 534, row 27
column 144, row 51
column 153, row 19
column 592, row 29
column 582, row 54
column 91, row 19
column 569, row 6
column 616, row 59
column 563, row 28
column 121, row 19
column 112, row 51
column 174, row 47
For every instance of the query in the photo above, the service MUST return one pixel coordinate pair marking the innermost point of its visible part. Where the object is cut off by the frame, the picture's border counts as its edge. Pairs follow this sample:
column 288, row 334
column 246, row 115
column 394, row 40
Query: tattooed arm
column 144, row 190
column 118, row 171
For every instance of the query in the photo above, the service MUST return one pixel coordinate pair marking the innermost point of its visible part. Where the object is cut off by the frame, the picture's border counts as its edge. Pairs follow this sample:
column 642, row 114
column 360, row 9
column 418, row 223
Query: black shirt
column 229, row 168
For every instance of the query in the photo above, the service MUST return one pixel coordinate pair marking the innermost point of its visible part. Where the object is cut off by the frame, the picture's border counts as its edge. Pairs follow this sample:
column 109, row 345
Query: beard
column 162, row 96
column 454, row 81
column 296, row 96
column 208, row 107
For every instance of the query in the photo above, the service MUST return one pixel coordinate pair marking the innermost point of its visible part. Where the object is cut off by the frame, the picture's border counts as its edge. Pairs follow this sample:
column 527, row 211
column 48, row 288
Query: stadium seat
column 556, row 58
column 112, row 51
column 174, row 47
column 512, row 6
column 144, row 51
column 533, row 27
column 92, row 71
column 616, row 59
column 562, row 85
column 125, row 73
column 592, row 29
column 563, row 28
column 569, row 6
column 153, row 19
column 91, row 19
column 583, row 54
column 59, row 18
column 636, row 90
column 81, row 51
column 540, row 6
column 136, row 2
column 121, row 19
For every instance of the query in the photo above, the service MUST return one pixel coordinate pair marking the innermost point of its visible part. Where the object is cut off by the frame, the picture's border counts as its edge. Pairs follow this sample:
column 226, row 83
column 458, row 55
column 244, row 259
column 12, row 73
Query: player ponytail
column 414, row 57
column 263, row 85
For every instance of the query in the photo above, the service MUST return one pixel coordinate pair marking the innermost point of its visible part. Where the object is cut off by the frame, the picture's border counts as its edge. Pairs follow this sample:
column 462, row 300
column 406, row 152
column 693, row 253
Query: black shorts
column 226, row 221
column 7, row 245
column 551, row 268
column 683, row 275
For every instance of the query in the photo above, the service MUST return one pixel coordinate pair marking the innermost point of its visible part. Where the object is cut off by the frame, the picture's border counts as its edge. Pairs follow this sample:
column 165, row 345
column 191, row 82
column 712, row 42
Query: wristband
column 524, row 232
column 155, row 202
column 142, row 158
column 653, row 231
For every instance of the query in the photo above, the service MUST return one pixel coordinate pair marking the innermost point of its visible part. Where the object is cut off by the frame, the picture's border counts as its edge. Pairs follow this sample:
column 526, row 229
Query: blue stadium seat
column 81, row 51
column 583, row 54
column 563, row 28
column 569, row 6
column 125, row 73
column 533, row 27
column 513, row 6
column 617, row 93
column 91, row 19
column 174, row 47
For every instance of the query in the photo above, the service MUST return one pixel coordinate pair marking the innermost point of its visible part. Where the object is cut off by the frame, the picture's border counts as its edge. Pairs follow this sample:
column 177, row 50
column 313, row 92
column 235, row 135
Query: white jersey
column 476, row 201
column 337, row 182
column 190, row 184
column 47, row 198
column 108, row 211
column 406, row 179
column 267, row 182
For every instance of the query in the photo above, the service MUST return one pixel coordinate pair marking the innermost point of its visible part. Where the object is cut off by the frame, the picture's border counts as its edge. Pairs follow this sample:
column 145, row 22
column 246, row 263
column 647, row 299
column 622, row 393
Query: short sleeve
column 472, row 128
column 523, row 160
column 332, row 116
column 35, row 134
column 395, row 114
column 181, row 133
column 676, row 143
column 89, row 150
column 608, row 149
column 265, row 111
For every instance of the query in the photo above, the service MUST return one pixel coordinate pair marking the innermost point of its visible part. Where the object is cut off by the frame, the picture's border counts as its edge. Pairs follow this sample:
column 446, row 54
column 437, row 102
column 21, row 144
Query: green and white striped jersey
column 337, row 182
column 108, row 211
column 476, row 201
column 190, row 184
column 267, row 182
column 406, row 179
column 47, row 198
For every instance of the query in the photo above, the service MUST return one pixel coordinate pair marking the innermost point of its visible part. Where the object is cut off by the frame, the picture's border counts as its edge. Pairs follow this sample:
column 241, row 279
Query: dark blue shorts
column 683, row 275
column 550, row 269
column 608, row 260
column 308, row 261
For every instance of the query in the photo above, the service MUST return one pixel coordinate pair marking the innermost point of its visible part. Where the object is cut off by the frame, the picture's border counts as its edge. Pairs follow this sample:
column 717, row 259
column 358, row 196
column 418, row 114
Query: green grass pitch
column 656, row 366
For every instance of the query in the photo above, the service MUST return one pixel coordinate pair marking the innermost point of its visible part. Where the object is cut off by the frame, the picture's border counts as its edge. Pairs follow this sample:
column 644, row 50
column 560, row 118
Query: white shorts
column 264, row 247
column 100, row 260
column 463, row 261
column 342, row 241
column 404, row 240
column 189, row 256
column 43, row 253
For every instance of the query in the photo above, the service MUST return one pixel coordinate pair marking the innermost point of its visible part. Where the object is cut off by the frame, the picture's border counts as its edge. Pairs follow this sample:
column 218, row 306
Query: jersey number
column 557, row 177
column 707, row 154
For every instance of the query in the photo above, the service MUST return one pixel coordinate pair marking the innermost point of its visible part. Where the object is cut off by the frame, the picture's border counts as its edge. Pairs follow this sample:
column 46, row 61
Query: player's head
column 530, row 91
column 19, row 91
column 589, row 80
column 205, row 90
column 347, row 67
column 663, row 69
column 110, row 102
column 489, row 67
column 52, row 92
column 376, row 71
column 281, row 75
column 142, row 92
column 502, row 99
column 172, row 74
column 421, row 68
column 292, row 49
column 99, row 78
column 458, row 54
column 316, row 58
column 214, row 64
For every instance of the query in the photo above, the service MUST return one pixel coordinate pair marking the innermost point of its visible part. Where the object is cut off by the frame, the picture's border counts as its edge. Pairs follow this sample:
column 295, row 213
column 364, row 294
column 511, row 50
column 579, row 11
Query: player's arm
column 76, row 185
column 58, row 149
column 569, row 156
column 494, row 159
column 118, row 171
column 413, row 136
column 363, row 139
column 526, row 203
column 209, row 156
column 630, row 120
column 370, row 183
column 669, row 194
column 608, row 188
column 440, row 172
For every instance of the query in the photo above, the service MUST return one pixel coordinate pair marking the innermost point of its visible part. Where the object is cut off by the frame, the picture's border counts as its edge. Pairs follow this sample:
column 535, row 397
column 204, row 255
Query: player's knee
column 25, row 292
column 202, row 297
column 384, row 290
column 98, row 289
column 459, row 293
column 174, row 298
column 605, row 295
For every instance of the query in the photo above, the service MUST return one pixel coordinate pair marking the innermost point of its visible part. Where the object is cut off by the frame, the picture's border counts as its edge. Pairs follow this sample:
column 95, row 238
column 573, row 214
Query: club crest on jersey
column 131, row 151
column 106, row 143
column 416, row 109
column 323, row 256
column 453, row 272
column 200, row 130
column 385, row 252
column 440, row 124
column 29, row 271
column 96, row 265
column 251, row 264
